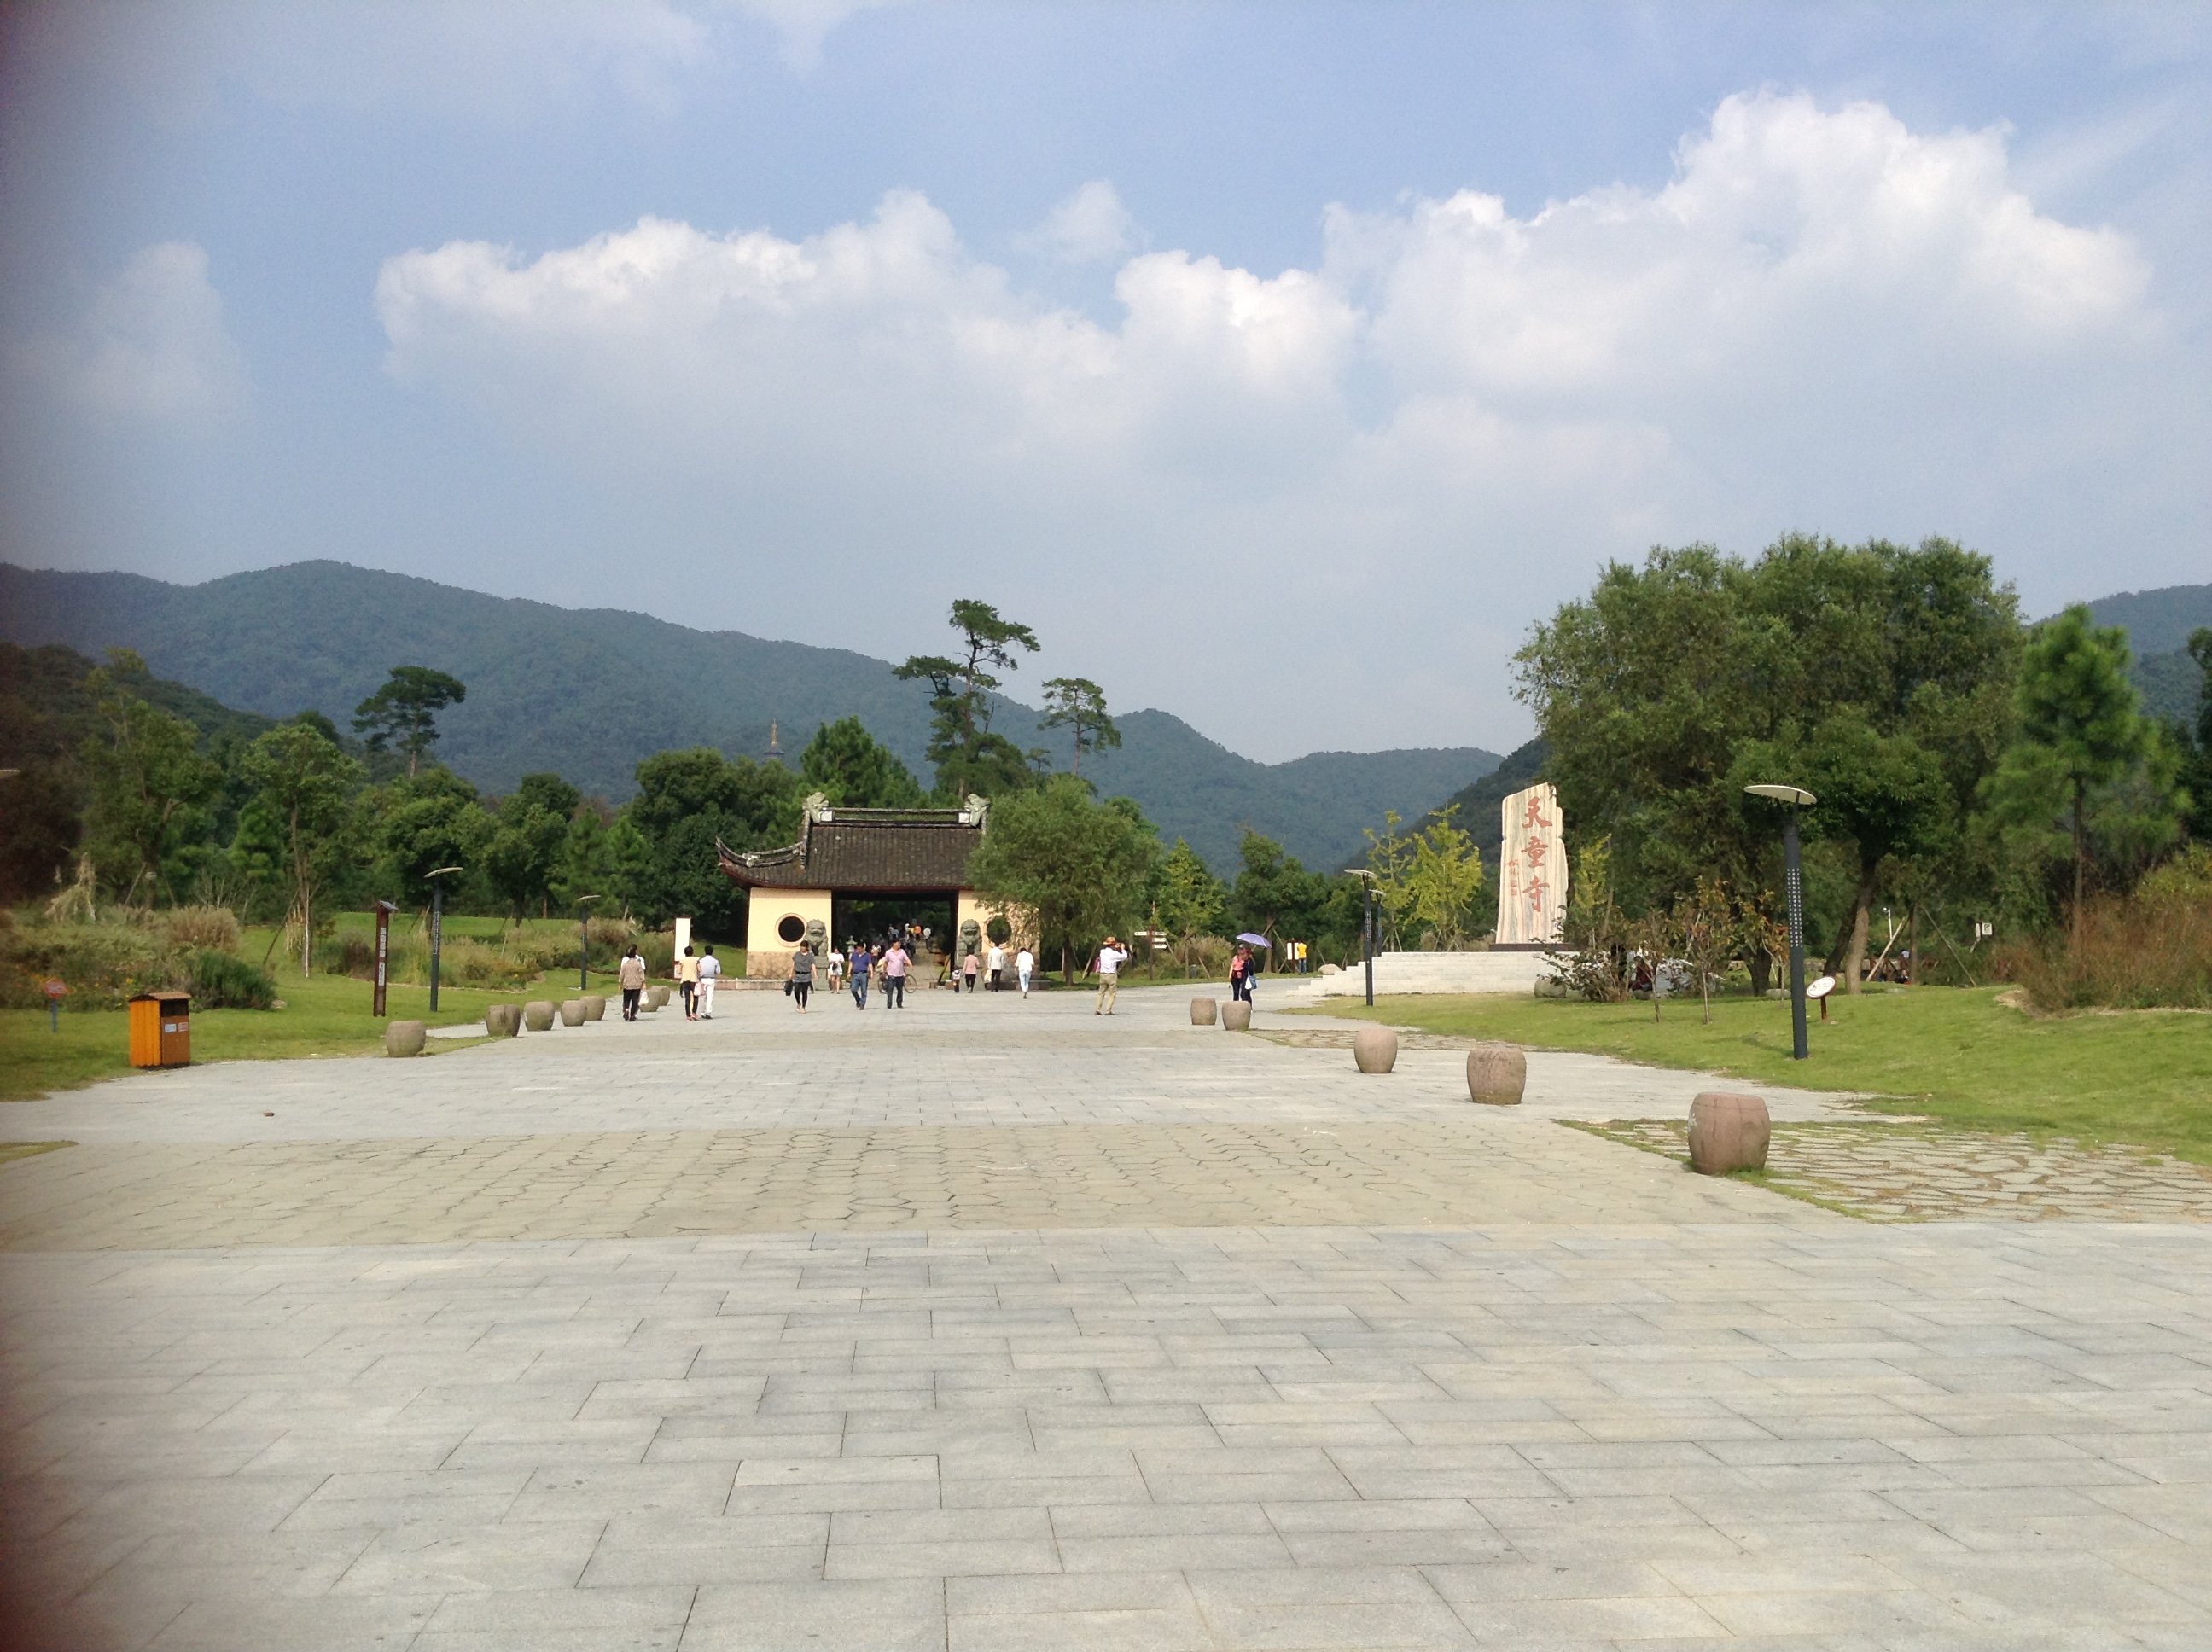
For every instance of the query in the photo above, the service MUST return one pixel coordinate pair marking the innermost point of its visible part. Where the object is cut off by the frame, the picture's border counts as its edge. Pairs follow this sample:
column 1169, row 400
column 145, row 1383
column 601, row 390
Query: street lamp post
column 1366, row 927
column 437, row 926
column 584, row 942
column 1793, row 885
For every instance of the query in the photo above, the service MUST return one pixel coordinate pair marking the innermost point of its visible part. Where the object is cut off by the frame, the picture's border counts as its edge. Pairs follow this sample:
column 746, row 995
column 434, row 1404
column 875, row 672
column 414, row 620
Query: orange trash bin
column 161, row 1030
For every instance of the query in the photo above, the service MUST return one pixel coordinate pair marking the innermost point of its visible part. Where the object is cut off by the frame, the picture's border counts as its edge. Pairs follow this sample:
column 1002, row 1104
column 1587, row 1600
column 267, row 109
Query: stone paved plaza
column 997, row 1325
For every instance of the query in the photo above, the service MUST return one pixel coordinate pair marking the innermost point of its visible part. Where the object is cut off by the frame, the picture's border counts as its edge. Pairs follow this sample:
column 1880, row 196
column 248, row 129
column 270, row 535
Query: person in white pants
column 710, row 971
column 1023, row 963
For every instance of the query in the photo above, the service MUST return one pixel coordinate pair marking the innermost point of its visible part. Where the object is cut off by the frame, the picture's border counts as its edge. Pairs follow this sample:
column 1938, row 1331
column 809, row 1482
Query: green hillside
column 2158, row 624
column 586, row 693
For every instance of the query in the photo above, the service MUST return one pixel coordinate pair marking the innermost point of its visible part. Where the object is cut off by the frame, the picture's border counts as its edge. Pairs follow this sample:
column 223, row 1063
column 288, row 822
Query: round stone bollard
column 1375, row 1049
column 1201, row 1012
column 656, row 997
column 1727, row 1133
column 537, row 1015
column 1495, row 1075
column 571, row 1012
column 1236, row 1015
column 503, row 1020
column 595, row 1006
column 404, row 1037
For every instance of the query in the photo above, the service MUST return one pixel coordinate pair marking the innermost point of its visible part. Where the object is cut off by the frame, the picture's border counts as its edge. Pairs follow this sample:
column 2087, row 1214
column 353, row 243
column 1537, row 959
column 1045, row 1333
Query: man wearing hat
column 1110, row 959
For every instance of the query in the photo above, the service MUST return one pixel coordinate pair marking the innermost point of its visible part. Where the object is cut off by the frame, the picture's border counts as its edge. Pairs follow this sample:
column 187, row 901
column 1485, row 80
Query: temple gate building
column 856, row 872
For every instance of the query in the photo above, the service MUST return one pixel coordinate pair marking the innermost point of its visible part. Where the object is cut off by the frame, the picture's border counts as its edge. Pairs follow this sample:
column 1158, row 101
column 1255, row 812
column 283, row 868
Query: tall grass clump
column 2151, row 949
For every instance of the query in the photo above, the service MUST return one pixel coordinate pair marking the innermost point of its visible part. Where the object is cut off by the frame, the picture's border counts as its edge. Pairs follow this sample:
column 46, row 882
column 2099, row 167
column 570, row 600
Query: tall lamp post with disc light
column 1366, row 927
column 437, row 925
column 1792, row 883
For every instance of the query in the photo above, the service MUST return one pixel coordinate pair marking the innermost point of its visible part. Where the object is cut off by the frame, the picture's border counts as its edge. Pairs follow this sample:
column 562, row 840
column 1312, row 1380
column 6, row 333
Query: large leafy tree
column 2086, row 755
column 425, row 821
column 1275, row 894
column 848, row 766
column 303, row 791
column 404, row 713
column 685, row 800
column 1187, row 900
column 1656, row 689
column 525, row 854
column 146, row 781
column 1082, row 866
column 1078, row 705
column 968, row 756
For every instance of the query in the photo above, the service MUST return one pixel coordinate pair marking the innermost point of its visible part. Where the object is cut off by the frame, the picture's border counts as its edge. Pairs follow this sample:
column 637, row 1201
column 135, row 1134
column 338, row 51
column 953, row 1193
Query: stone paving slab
column 1840, row 1436
column 1418, row 1174
column 1919, row 1172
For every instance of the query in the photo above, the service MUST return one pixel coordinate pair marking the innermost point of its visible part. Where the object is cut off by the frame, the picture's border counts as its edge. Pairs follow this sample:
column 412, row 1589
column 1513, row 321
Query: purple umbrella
column 1250, row 939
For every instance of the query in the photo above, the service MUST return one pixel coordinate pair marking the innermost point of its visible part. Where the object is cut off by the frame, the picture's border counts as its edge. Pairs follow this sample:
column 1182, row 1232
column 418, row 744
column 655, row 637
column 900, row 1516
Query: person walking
column 1111, row 957
column 995, row 962
column 1240, row 965
column 710, row 971
column 629, row 976
column 857, row 967
column 687, row 981
column 895, row 964
column 802, row 974
column 1024, row 965
column 835, row 966
column 971, row 968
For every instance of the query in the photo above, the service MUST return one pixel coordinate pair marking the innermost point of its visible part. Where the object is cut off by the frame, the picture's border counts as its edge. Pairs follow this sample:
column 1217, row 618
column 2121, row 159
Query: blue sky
column 1280, row 363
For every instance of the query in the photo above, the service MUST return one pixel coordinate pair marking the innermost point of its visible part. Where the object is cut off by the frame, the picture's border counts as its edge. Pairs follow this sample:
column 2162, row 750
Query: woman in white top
column 1023, row 963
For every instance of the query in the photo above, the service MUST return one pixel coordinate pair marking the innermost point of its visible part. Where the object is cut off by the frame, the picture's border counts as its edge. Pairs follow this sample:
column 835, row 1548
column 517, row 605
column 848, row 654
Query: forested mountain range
column 2158, row 624
column 586, row 693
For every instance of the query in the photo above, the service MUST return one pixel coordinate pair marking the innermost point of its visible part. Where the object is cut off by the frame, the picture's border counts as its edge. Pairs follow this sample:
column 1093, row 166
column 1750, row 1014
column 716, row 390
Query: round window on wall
column 791, row 929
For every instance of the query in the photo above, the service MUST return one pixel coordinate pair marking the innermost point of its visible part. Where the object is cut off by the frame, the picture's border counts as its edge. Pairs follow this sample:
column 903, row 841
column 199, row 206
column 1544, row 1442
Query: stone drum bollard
column 503, row 1020
column 595, row 1006
column 1201, row 1012
column 404, row 1038
column 1495, row 1075
column 571, row 1012
column 1727, row 1133
column 655, row 997
column 1375, row 1049
column 537, row 1015
column 1236, row 1015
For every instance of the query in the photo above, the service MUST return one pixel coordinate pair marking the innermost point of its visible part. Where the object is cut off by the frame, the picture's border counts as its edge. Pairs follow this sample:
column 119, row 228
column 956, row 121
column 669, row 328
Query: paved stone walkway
column 262, row 1391
column 1918, row 1173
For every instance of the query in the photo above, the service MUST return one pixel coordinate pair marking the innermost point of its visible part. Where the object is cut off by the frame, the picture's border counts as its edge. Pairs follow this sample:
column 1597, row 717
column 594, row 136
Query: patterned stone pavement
column 997, row 1326
column 1918, row 1173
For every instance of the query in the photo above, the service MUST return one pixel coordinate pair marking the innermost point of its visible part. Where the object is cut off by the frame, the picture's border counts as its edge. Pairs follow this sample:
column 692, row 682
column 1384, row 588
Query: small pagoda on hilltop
column 856, row 874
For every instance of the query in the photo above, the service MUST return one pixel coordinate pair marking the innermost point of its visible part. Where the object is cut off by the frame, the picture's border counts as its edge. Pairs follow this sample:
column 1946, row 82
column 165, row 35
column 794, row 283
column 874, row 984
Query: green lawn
column 324, row 1015
column 2143, row 1077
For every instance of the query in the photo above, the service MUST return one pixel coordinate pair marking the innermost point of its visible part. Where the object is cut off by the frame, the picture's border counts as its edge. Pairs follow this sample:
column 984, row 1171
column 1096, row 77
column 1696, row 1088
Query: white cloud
column 1089, row 225
column 152, row 343
column 1824, row 320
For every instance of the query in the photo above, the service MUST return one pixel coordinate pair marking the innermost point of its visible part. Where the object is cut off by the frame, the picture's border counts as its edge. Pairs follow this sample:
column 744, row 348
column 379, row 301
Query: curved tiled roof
column 882, row 851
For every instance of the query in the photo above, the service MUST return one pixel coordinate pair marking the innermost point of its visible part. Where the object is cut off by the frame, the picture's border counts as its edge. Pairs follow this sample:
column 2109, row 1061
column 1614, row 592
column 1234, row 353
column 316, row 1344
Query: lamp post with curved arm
column 437, row 926
column 1792, row 883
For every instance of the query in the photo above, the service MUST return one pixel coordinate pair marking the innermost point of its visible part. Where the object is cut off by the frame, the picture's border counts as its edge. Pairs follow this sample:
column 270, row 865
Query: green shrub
column 222, row 982
column 201, row 928
column 2152, row 950
column 102, row 964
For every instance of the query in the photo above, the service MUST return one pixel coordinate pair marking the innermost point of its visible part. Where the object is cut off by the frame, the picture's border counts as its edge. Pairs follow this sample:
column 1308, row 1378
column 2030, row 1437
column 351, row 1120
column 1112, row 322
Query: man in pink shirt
column 896, row 963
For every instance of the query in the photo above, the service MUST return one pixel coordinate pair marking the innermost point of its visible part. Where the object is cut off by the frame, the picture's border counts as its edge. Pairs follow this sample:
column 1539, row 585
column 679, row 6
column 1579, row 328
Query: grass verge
column 2142, row 1077
column 324, row 1014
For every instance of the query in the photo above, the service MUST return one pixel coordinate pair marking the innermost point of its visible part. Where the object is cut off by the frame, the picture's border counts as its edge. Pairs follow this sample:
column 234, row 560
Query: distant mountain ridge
column 588, row 692
column 2158, row 624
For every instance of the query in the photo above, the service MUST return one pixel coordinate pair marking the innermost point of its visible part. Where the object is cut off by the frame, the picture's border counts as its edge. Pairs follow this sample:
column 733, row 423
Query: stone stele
column 1375, row 1049
column 1497, row 1074
column 1727, row 1133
